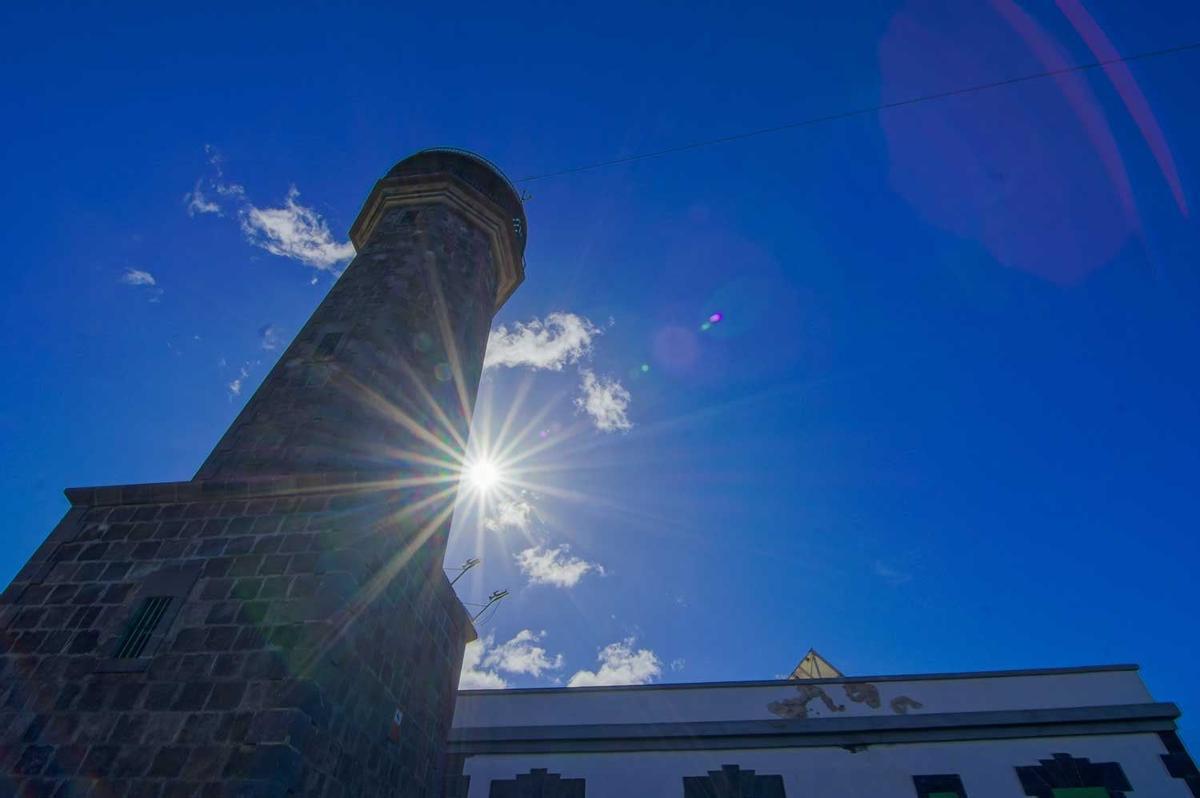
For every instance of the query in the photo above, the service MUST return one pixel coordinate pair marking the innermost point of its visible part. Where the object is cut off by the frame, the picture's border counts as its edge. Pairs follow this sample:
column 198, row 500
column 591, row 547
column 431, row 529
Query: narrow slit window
column 142, row 626
column 327, row 345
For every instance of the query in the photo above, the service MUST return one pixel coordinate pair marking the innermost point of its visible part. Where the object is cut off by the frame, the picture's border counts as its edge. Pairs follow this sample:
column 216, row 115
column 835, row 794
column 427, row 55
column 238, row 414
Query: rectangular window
column 142, row 626
column 943, row 785
column 327, row 345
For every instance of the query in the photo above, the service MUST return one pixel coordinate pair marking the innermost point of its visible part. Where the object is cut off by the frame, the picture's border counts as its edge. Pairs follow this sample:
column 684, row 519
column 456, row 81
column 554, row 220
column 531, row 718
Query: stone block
column 247, row 565
column 192, row 696
column 199, row 728
column 204, row 761
column 228, row 666
column 160, row 695
column 128, row 728
column 100, row 760
column 226, row 696
column 67, row 760
column 169, row 761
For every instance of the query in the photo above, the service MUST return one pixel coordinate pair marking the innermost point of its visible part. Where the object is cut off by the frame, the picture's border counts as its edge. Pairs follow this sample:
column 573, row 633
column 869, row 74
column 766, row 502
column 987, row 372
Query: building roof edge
column 792, row 682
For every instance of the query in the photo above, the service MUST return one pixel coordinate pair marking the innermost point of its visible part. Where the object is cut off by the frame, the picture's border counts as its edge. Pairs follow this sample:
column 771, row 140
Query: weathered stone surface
column 303, row 564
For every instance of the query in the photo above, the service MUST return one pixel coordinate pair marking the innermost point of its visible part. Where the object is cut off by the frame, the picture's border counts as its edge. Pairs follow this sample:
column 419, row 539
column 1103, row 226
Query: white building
column 1063, row 733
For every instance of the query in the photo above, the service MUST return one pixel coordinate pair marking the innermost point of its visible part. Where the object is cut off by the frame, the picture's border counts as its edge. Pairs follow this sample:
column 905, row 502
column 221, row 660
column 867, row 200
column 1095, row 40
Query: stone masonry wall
column 308, row 616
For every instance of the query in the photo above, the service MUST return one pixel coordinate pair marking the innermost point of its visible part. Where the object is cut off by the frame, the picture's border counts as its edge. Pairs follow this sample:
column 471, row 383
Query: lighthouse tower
column 281, row 624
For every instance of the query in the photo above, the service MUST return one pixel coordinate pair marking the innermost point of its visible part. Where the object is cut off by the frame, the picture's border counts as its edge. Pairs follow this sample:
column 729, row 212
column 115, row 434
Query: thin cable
column 817, row 120
column 481, row 621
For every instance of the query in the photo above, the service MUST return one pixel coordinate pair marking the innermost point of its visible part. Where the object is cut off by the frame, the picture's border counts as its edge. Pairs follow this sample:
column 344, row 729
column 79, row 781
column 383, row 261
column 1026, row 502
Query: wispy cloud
column 551, row 343
column 890, row 574
column 268, row 337
column 605, row 400
column 554, row 566
column 291, row 231
column 294, row 231
column 197, row 203
column 138, row 277
column 144, row 280
column 620, row 664
column 510, row 514
column 483, row 660
column 235, row 385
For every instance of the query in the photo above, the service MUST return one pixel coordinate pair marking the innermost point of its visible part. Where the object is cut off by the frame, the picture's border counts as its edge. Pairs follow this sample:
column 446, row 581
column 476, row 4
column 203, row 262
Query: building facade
column 281, row 624
column 1066, row 733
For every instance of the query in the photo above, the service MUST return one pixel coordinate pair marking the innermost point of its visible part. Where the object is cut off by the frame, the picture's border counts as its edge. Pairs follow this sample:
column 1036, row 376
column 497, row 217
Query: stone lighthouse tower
column 281, row 624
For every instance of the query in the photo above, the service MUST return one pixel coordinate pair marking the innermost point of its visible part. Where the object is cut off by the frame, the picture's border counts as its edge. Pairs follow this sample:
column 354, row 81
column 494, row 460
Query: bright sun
column 483, row 475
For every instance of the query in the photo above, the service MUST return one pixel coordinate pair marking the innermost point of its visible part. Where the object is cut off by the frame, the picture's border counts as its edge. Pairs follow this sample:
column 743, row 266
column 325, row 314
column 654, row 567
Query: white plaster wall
column 649, row 704
column 882, row 771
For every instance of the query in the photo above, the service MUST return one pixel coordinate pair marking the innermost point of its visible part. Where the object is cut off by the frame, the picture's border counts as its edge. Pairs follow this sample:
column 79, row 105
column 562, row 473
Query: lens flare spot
column 483, row 475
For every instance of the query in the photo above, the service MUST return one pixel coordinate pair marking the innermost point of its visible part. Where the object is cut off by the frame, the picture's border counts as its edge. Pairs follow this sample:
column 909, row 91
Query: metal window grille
column 144, row 621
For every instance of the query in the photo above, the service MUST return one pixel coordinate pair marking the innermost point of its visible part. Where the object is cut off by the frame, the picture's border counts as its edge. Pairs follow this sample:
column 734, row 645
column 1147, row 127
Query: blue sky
column 948, row 420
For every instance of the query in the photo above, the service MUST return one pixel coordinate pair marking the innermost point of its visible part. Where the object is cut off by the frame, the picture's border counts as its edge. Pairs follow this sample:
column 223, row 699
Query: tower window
column 731, row 782
column 1066, row 776
column 537, row 782
column 327, row 345
column 142, row 626
column 946, row 785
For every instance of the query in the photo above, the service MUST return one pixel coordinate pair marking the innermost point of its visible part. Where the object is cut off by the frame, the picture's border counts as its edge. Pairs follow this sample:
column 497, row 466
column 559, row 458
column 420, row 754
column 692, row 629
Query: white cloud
column 678, row 664
column 510, row 515
column 294, row 231
column 235, row 385
column 554, row 566
column 606, row 401
column 620, row 664
column 268, row 337
column 197, row 203
column 143, row 280
column 472, row 676
column 138, row 277
column 483, row 660
column 522, row 655
column 560, row 339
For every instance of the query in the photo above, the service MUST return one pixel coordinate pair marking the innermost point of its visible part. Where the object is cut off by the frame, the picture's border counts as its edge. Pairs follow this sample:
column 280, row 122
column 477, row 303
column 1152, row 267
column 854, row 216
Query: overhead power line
column 818, row 120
